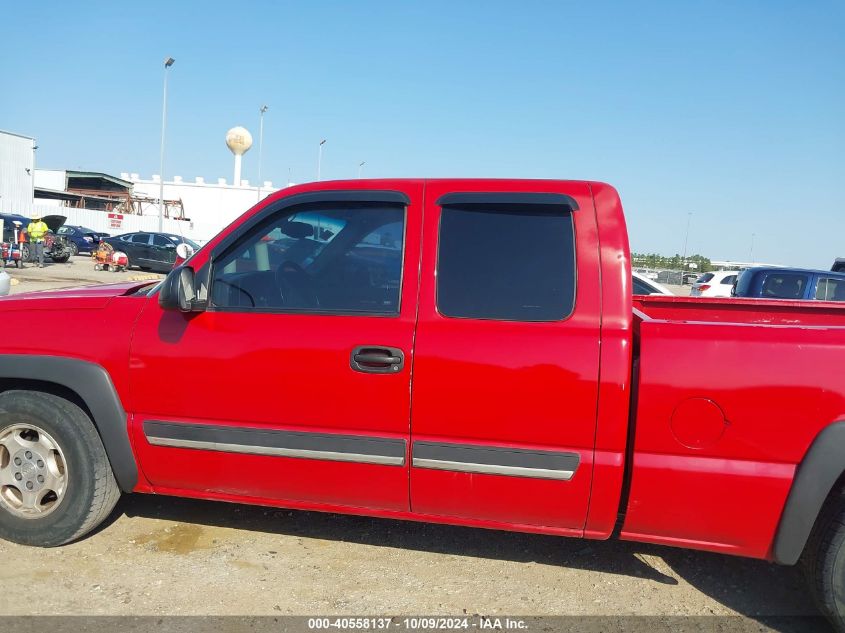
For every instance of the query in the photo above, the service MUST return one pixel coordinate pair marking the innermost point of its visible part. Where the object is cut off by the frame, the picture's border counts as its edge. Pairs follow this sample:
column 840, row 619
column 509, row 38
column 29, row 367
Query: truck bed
column 747, row 311
column 731, row 394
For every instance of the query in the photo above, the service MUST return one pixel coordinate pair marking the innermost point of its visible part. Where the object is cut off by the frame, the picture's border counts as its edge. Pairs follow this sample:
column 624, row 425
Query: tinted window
column 160, row 240
column 321, row 259
column 704, row 278
column 140, row 238
column 729, row 280
column 65, row 230
column 513, row 265
column 784, row 285
column 640, row 287
column 831, row 290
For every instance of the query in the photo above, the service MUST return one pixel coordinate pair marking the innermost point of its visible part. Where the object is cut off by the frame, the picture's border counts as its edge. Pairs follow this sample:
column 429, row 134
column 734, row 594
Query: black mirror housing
column 178, row 291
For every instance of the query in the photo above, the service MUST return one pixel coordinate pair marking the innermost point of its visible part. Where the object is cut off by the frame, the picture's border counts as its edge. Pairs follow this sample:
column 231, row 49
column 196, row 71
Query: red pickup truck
column 454, row 351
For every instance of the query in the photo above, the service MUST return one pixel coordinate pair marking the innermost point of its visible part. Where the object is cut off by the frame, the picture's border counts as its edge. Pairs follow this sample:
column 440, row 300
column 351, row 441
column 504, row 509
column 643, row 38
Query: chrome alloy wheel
column 33, row 471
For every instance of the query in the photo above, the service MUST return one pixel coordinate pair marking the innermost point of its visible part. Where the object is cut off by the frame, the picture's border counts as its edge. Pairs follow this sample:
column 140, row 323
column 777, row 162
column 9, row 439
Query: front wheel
column 26, row 253
column 56, row 483
column 74, row 249
column 60, row 259
column 824, row 560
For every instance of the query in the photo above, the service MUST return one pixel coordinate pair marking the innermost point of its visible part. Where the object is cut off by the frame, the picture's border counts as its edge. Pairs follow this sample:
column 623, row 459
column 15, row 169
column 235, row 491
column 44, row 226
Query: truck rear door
column 506, row 354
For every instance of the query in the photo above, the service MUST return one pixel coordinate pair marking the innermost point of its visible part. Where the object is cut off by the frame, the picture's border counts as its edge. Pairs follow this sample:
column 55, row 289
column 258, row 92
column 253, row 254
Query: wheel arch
column 87, row 385
column 818, row 473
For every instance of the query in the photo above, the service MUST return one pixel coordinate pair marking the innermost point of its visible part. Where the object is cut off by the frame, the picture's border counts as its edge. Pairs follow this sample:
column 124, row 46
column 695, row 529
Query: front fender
column 91, row 382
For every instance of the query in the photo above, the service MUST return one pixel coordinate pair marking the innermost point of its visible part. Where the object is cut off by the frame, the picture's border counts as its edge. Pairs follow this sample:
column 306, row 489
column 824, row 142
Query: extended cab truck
column 454, row 351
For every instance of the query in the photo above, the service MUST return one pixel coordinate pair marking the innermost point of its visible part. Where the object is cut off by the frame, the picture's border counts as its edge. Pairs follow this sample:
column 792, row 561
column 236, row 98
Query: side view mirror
column 184, row 251
column 178, row 291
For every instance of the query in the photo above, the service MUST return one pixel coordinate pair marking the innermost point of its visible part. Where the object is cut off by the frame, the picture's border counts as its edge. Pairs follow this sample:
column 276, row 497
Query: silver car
column 5, row 283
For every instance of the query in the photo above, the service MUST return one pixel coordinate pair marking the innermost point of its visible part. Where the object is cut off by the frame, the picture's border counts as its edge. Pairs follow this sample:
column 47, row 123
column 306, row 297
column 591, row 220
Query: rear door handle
column 377, row 359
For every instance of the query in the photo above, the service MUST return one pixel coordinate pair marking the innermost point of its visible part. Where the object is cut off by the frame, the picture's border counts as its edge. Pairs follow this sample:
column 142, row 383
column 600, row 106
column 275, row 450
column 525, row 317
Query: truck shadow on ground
column 772, row 595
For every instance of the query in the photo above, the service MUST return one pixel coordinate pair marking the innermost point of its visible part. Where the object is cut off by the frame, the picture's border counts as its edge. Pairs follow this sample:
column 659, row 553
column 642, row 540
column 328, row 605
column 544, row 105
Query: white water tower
column 238, row 140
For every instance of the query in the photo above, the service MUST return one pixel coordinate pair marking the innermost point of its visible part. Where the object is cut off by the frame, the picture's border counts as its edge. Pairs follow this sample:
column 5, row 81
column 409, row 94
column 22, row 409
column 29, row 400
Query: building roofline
column 69, row 173
column 29, row 138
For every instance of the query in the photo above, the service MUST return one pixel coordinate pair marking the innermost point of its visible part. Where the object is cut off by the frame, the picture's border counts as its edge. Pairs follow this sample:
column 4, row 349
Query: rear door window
column 784, row 285
column 508, row 265
column 704, row 278
column 729, row 280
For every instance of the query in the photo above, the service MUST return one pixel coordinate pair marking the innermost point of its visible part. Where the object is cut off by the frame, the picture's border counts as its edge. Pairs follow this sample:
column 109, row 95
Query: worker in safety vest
column 37, row 231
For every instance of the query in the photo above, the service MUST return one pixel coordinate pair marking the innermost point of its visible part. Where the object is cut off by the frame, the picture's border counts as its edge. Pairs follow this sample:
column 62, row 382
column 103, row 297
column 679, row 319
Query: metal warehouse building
column 17, row 173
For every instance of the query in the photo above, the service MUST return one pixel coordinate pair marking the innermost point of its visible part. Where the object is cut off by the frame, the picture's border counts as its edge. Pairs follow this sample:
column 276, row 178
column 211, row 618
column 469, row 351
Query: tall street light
column 320, row 157
column 168, row 62
column 686, row 239
column 263, row 109
column 752, row 248
column 360, row 167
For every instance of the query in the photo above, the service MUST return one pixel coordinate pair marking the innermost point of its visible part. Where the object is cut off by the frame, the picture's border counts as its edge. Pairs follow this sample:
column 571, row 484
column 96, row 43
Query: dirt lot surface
column 78, row 271
column 160, row 555
column 167, row 556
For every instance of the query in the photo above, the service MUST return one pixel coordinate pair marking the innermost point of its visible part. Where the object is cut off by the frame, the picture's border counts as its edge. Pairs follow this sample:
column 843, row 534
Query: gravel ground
column 78, row 271
column 168, row 556
column 160, row 555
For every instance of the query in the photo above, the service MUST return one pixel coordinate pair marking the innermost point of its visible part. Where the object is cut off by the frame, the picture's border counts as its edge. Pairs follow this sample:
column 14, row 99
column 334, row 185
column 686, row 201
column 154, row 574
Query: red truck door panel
column 294, row 384
column 507, row 353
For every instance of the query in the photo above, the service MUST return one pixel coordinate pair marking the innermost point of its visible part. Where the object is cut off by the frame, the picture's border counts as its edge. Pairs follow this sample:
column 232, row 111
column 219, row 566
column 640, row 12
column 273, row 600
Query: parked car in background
column 55, row 244
column 715, row 284
column 646, row 273
column 150, row 251
column 12, row 221
column 791, row 283
column 642, row 285
column 690, row 278
column 81, row 239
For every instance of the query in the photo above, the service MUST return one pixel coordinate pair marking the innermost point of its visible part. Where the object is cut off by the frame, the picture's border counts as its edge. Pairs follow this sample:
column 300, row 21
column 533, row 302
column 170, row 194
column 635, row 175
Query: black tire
column 61, row 259
column 824, row 560
column 74, row 249
column 26, row 253
column 91, row 491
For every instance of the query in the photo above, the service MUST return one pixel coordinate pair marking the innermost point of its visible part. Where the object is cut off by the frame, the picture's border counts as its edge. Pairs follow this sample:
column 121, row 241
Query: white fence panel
column 117, row 224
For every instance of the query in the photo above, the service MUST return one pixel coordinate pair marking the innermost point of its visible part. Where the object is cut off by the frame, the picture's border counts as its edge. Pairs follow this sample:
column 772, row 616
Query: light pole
column 263, row 109
column 752, row 247
column 686, row 239
column 360, row 167
column 168, row 62
column 320, row 157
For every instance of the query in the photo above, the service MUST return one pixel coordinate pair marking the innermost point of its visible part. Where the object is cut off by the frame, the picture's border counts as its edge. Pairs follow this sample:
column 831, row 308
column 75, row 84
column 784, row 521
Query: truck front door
column 294, row 384
column 506, row 360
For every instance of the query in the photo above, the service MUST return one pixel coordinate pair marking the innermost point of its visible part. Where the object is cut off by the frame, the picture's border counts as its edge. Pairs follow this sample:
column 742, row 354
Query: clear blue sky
column 734, row 111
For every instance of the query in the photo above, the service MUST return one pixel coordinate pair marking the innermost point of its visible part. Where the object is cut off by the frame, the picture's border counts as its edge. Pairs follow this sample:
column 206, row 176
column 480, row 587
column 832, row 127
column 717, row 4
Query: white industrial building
column 209, row 206
column 17, row 172
column 196, row 208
